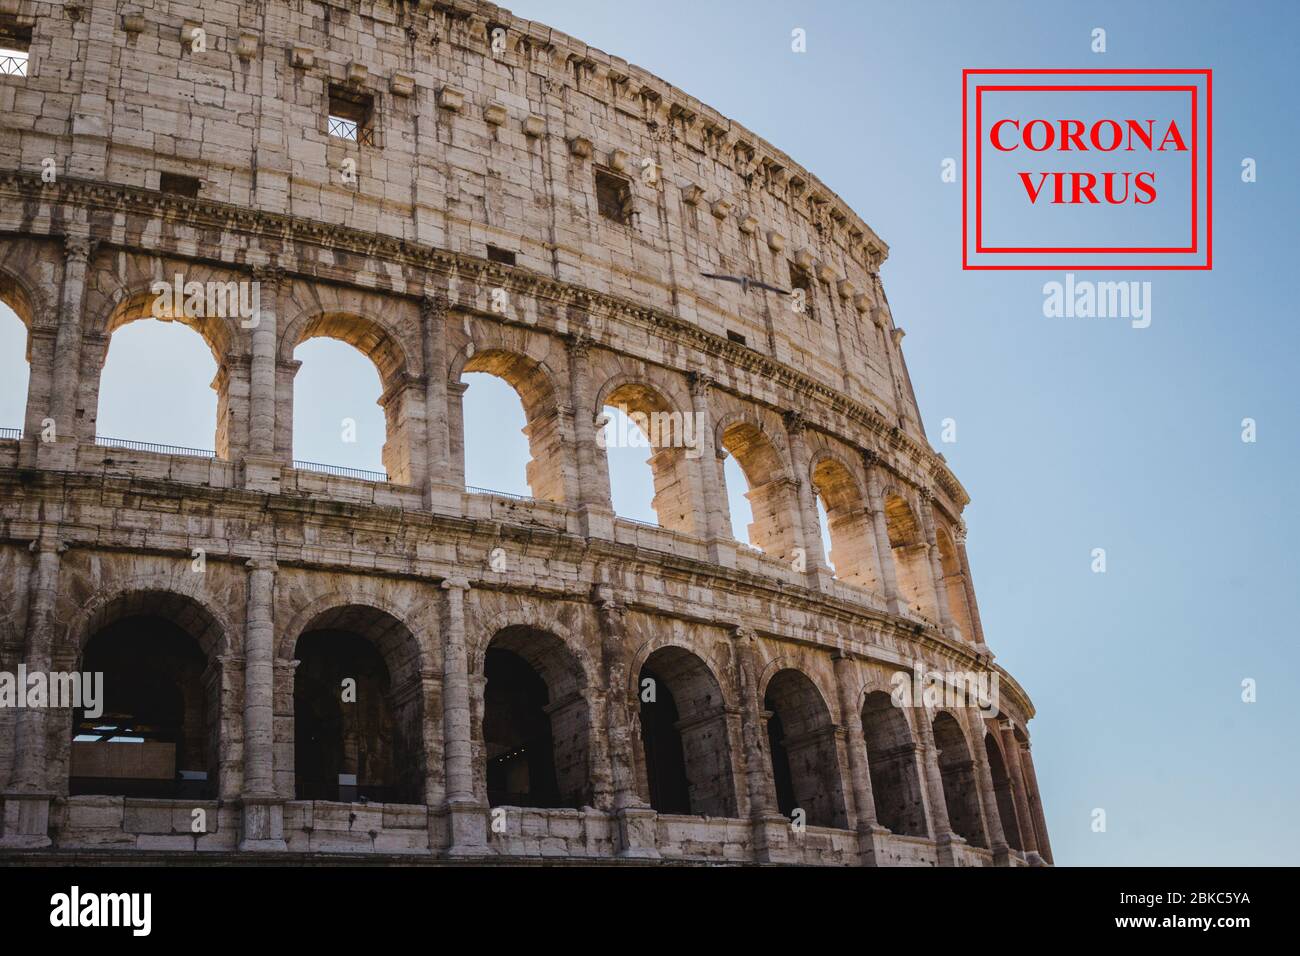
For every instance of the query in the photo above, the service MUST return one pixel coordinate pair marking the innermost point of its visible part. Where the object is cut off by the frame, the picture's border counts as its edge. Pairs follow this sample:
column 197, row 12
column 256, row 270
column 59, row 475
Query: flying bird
column 745, row 283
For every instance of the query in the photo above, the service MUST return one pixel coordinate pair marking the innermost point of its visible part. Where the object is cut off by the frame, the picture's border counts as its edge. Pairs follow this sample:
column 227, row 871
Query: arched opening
column 805, row 763
column 512, row 437
column 1003, row 794
column 891, row 756
column 15, row 367
column 358, row 709
column 911, row 556
column 536, row 722
column 154, row 730
column 954, row 579
column 640, row 419
column 852, row 551
column 958, row 773
column 338, row 419
column 684, row 736
column 160, row 385
column 754, row 464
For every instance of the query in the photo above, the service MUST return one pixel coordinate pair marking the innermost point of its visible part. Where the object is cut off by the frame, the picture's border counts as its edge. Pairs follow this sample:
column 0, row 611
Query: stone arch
column 16, row 293
column 1002, row 792
column 373, row 745
column 659, row 411
column 911, row 554
column 803, row 749
column 19, row 292
column 536, row 723
column 892, row 759
column 535, row 383
column 402, row 393
column 685, row 753
column 957, row 769
column 853, row 548
column 954, row 577
column 162, row 653
column 772, row 492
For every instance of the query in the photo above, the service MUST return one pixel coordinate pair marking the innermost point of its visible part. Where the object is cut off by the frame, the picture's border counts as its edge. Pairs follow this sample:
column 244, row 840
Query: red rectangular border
column 1209, row 167
column 979, row 144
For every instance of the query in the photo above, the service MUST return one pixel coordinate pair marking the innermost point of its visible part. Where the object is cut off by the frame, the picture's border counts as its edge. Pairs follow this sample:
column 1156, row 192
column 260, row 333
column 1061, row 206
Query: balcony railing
column 341, row 128
column 497, row 494
column 13, row 64
column 149, row 446
column 340, row 472
column 14, row 433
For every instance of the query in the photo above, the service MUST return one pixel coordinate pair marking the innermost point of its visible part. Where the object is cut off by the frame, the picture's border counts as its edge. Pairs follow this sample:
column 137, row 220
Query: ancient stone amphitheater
column 451, row 189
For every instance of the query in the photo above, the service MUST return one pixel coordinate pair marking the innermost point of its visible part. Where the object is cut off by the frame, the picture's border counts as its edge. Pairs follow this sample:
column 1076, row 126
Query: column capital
column 795, row 423
column 578, row 344
column 700, row 383
column 433, row 305
column 48, row 544
column 743, row 633
column 456, row 584
column 261, row 564
column 78, row 248
column 268, row 275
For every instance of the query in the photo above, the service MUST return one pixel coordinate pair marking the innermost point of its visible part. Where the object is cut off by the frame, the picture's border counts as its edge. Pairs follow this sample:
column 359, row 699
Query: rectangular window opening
column 801, row 282
column 15, row 45
column 613, row 197
column 736, row 337
column 352, row 115
column 178, row 185
column 503, row 256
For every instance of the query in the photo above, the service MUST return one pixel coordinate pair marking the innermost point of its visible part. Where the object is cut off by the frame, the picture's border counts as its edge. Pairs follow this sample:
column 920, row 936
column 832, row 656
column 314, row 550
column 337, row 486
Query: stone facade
column 468, row 227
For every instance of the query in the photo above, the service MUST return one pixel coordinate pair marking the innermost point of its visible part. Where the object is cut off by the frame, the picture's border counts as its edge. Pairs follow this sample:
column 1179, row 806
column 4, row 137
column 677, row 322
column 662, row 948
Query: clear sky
column 1072, row 434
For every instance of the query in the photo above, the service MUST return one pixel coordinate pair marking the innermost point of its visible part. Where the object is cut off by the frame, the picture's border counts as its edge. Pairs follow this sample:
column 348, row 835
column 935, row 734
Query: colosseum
column 452, row 189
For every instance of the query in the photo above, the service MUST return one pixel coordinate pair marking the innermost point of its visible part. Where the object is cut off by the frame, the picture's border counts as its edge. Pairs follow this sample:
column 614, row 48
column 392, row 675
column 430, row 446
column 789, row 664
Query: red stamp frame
column 981, row 249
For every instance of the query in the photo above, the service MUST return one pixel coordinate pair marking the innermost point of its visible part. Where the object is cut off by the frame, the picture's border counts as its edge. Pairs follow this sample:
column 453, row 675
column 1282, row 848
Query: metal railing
column 498, row 494
column 354, row 132
column 340, row 472
column 15, row 433
column 13, row 64
column 149, row 446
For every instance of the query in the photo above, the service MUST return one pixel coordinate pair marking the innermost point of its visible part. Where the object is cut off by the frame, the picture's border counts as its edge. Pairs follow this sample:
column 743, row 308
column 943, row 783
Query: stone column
column 636, row 820
column 66, row 382
column 261, row 467
column 1024, row 818
column 814, row 553
column 940, row 826
column 880, row 527
column 722, row 546
column 969, row 586
column 25, row 820
column 466, row 822
column 864, row 801
column 1035, row 802
column 988, row 798
column 944, row 609
column 592, row 483
column 770, row 830
column 442, row 491
column 263, row 810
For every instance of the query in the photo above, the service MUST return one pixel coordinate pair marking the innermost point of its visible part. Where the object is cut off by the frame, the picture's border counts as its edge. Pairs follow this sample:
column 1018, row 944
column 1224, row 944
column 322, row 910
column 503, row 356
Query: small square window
column 352, row 115
column 736, row 337
column 801, row 285
column 15, row 45
column 503, row 256
column 178, row 185
column 613, row 197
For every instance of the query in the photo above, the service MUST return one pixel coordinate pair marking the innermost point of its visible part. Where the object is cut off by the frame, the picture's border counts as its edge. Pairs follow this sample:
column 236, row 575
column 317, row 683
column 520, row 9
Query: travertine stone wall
column 488, row 132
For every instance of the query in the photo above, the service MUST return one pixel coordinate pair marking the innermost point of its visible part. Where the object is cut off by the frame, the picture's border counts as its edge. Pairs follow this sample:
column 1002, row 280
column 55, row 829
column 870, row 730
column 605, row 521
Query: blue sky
column 1072, row 434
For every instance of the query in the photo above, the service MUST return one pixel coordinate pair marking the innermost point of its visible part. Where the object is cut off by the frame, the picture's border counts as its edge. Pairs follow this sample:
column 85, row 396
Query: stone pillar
column 880, row 526
column 636, row 821
column 946, row 622
column 66, row 384
column 26, row 807
column 771, row 832
column 442, row 490
column 968, row 585
column 261, row 467
column 864, row 801
column 466, row 821
column 1024, row 818
column 940, row 826
column 1035, row 802
column 592, row 486
column 722, row 546
column 814, row 553
column 263, row 809
column 988, row 798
